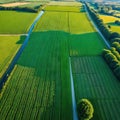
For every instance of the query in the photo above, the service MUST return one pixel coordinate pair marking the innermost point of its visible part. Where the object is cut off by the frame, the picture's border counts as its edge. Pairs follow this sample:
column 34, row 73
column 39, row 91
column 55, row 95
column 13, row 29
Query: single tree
column 85, row 109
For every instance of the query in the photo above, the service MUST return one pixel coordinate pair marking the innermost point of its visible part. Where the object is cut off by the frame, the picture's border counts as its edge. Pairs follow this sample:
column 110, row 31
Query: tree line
column 112, row 55
column 107, row 33
column 17, row 8
column 107, row 9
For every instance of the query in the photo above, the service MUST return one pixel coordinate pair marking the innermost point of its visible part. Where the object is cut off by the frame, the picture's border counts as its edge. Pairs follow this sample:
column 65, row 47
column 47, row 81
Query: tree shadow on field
column 46, row 49
column 48, row 54
column 82, row 9
column 22, row 38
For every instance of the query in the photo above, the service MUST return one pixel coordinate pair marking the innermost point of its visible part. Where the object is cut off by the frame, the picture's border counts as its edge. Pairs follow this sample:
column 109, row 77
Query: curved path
column 14, row 61
column 89, row 17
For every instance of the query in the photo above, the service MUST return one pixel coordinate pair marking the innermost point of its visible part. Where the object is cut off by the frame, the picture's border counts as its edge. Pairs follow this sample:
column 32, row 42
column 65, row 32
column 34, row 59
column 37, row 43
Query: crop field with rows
column 94, row 80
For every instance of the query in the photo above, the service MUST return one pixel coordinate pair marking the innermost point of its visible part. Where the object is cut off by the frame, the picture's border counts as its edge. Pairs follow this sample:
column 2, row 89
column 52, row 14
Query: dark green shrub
column 116, row 40
column 114, row 35
column 105, row 51
column 85, row 109
column 109, row 57
column 117, row 71
column 114, row 63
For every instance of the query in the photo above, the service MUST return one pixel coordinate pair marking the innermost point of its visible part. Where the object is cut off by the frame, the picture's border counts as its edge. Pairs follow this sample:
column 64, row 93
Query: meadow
column 110, row 20
column 12, row 22
column 8, row 47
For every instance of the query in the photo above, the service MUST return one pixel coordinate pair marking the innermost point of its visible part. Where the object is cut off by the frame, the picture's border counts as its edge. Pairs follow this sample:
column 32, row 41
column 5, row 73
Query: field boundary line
column 91, row 21
column 13, row 34
column 62, row 11
column 75, row 115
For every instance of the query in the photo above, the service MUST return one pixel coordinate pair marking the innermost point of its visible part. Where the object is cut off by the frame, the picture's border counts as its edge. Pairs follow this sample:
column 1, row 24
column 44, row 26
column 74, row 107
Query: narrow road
column 89, row 17
column 75, row 115
column 14, row 61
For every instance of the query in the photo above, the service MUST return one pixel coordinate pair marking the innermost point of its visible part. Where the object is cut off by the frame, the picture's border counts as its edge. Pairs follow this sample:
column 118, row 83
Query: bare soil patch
column 15, row 4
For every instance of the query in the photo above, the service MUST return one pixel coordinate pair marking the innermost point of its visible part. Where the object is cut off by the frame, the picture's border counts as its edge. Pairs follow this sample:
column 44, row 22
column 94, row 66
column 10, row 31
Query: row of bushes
column 25, row 9
column 117, row 22
column 112, row 57
column 117, row 39
column 117, row 46
column 102, row 27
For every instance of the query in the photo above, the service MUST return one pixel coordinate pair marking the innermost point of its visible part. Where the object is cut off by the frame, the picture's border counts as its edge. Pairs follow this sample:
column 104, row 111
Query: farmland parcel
column 110, row 20
column 8, row 47
column 12, row 22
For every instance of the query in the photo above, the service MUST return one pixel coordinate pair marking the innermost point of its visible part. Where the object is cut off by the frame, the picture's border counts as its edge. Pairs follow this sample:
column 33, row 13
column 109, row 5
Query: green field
column 42, row 75
column 71, row 19
column 51, row 21
column 79, row 23
column 63, row 8
column 94, row 80
column 86, row 44
column 8, row 47
column 12, row 22
column 39, row 87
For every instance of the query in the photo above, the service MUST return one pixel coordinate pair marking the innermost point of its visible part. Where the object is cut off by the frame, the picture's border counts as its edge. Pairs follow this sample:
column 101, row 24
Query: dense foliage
column 112, row 56
column 25, row 9
column 102, row 27
column 107, row 9
column 117, row 22
column 85, row 109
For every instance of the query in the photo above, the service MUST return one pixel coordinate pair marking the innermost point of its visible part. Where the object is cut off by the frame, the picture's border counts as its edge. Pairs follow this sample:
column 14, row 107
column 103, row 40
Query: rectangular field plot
column 94, row 80
column 107, row 18
column 12, row 22
column 8, row 47
column 39, row 88
column 86, row 44
column 63, row 8
column 79, row 23
column 53, row 21
column 65, row 3
column 74, row 23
